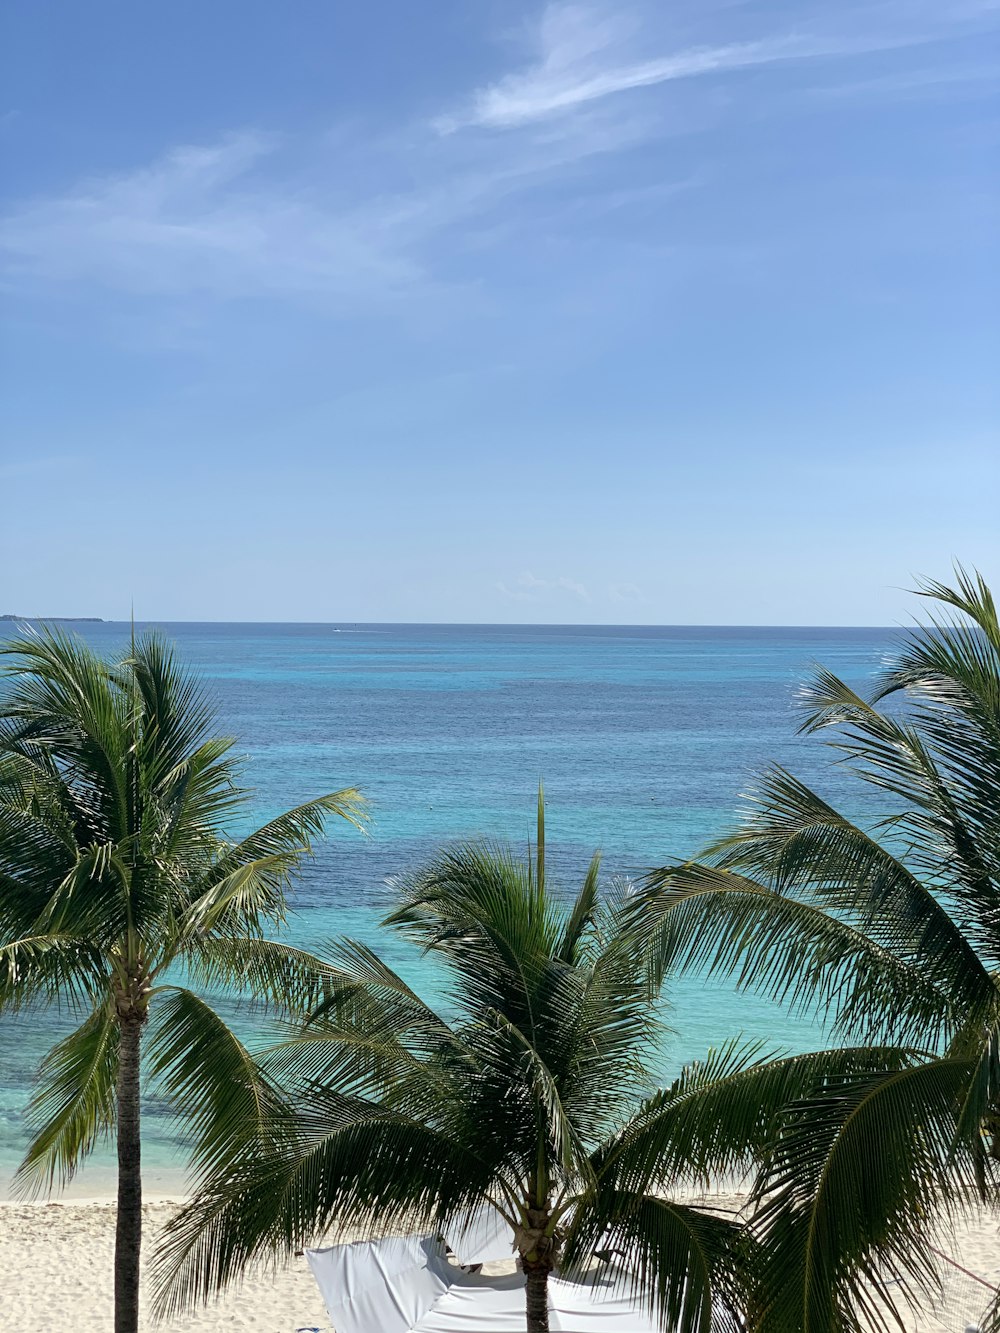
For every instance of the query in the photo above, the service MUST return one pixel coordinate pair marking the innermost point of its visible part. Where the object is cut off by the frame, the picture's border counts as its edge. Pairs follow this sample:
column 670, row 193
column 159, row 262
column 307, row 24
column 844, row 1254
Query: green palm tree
column 892, row 932
column 530, row 1092
column 116, row 882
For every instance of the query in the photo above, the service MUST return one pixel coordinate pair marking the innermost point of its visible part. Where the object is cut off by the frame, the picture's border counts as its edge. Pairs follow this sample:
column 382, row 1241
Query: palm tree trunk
column 536, row 1279
column 128, row 1236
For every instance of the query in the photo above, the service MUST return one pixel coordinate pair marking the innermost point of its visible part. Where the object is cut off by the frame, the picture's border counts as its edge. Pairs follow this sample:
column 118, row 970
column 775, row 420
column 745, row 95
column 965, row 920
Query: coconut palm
column 116, row 884
column 892, row 932
column 530, row 1091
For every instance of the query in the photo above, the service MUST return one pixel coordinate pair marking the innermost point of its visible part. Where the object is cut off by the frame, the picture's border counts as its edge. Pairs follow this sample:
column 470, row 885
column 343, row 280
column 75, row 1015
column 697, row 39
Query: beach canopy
column 406, row 1285
column 480, row 1237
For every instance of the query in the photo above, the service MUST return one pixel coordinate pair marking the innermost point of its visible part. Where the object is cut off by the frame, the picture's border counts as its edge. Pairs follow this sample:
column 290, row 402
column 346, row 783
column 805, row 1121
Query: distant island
column 62, row 620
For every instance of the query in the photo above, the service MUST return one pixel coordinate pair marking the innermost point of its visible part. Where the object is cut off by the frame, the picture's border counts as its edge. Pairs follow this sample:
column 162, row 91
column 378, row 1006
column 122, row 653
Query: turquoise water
column 644, row 738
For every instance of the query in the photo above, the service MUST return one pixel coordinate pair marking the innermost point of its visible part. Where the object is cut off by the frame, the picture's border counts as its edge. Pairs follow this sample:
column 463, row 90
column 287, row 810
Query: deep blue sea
column 644, row 738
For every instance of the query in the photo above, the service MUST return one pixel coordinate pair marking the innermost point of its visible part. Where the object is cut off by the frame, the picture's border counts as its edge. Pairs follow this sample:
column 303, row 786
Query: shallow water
column 644, row 738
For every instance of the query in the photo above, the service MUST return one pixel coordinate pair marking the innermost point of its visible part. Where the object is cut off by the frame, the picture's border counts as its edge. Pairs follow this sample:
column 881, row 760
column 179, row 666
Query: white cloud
column 551, row 89
column 346, row 222
column 235, row 218
column 584, row 55
column 196, row 220
column 530, row 588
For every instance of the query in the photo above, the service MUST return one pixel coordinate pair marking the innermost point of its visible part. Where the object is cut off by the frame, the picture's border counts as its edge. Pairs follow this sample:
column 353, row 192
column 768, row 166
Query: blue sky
column 498, row 311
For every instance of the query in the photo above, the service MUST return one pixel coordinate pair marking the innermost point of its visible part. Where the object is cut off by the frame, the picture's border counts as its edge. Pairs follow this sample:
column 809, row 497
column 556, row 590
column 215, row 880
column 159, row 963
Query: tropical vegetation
column 891, row 930
column 527, row 1081
column 117, row 884
column 529, row 1088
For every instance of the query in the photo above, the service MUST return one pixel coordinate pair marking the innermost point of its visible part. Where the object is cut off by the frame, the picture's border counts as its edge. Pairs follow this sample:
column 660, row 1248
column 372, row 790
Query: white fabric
column 496, row 1305
column 606, row 1304
column 480, row 1237
column 406, row 1285
column 478, row 1304
column 382, row 1286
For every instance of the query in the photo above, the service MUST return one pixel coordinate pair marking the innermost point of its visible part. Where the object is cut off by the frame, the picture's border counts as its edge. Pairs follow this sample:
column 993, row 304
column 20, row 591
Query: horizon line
column 463, row 624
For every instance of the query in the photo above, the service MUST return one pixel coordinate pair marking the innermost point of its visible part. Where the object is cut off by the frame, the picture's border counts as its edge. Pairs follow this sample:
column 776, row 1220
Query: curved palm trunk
column 536, row 1278
column 128, row 1236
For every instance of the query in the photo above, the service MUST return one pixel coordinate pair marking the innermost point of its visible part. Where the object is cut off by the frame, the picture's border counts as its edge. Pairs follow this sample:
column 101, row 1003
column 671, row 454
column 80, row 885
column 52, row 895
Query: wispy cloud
column 582, row 56
column 242, row 217
column 530, row 588
column 197, row 220
column 553, row 89
column 347, row 222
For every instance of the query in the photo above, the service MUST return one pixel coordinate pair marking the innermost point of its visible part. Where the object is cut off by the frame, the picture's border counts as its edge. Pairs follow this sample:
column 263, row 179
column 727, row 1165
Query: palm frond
column 857, row 1182
column 476, row 907
column 74, row 1104
column 91, row 901
column 364, row 992
column 566, row 1148
column 59, row 969
column 601, row 1025
column 798, row 843
column 176, row 716
column 943, row 770
column 354, row 1164
column 61, row 699
column 247, row 882
column 275, row 975
column 223, row 1095
column 971, row 596
column 241, row 901
column 978, row 1042
column 370, row 1034
column 294, row 830
column 709, row 919
column 721, row 1116
column 195, row 796
column 581, row 918
column 681, row 1261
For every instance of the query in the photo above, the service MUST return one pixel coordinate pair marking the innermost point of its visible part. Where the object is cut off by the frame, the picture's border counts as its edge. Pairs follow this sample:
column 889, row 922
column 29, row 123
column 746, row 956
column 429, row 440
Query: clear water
column 644, row 738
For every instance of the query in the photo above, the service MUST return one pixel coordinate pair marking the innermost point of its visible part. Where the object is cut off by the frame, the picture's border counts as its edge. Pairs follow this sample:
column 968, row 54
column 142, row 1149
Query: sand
column 55, row 1273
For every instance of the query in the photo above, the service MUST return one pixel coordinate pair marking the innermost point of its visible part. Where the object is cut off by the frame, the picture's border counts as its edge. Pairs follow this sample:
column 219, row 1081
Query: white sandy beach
column 55, row 1272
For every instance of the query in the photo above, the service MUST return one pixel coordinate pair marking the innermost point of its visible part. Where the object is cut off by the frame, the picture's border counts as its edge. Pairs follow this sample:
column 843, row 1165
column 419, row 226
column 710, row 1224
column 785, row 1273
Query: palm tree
column 532, row 1095
column 116, row 882
column 892, row 932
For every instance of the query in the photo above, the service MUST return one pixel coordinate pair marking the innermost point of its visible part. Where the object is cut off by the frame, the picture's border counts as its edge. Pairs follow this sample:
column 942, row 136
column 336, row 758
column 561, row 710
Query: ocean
column 644, row 737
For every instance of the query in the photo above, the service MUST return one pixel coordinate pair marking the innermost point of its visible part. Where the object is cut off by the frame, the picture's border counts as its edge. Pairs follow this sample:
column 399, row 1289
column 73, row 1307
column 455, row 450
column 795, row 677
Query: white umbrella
column 406, row 1285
